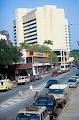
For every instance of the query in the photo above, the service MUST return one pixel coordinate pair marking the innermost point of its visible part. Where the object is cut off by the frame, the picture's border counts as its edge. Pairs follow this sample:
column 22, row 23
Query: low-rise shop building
column 33, row 63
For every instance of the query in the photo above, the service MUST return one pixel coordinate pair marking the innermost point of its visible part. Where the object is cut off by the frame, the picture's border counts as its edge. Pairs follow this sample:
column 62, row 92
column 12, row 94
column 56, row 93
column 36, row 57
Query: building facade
column 40, row 24
column 3, row 37
column 33, row 63
column 63, row 56
column 67, row 33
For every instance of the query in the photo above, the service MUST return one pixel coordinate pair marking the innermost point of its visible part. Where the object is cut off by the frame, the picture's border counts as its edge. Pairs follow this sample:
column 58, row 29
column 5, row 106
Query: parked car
column 60, row 93
column 33, row 113
column 22, row 79
column 6, row 84
column 72, row 83
column 32, row 78
column 76, row 77
column 50, row 82
column 38, row 77
column 73, row 65
column 35, row 77
column 54, row 73
column 49, row 102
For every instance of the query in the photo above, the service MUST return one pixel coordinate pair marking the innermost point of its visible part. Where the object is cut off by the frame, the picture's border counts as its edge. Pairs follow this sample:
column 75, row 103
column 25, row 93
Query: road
column 13, row 102
column 71, row 110
column 14, row 92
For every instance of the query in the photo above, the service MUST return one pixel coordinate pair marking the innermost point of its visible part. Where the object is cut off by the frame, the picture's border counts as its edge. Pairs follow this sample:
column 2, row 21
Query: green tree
column 40, row 48
column 8, row 53
column 24, row 45
column 75, row 54
column 54, row 58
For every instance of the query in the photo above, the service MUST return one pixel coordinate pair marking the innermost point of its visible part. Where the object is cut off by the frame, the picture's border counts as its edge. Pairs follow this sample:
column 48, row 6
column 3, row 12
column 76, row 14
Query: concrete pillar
column 33, row 69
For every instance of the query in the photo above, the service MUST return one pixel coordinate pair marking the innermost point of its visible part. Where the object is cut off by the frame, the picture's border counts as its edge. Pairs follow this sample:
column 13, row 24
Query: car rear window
column 52, row 82
column 27, row 116
column 72, row 80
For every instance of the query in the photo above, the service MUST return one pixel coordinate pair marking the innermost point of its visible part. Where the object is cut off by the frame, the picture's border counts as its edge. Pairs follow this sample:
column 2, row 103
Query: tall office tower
column 40, row 24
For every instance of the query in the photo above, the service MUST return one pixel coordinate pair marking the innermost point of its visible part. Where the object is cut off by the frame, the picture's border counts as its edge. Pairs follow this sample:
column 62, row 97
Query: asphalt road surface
column 12, row 102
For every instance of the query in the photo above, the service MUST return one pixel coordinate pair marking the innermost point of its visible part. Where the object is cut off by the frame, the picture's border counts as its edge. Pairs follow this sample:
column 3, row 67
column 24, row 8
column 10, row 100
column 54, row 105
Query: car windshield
column 75, row 77
column 52, row 82
column 56, row 91
column 44, row 101
column 72, row 80
column 27, row 116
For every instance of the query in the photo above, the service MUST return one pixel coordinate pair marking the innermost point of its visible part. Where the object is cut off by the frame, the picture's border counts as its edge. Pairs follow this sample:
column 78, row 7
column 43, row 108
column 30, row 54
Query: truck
column 60, row 93
column 33, row 113
column 49, row 102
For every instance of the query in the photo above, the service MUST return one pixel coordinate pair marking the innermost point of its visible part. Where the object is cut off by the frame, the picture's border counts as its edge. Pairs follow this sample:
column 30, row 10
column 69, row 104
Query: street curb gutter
column 64, row 109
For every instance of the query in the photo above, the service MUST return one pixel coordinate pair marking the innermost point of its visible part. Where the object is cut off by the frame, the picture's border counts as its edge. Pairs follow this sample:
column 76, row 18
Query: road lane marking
column 9, row 103
column 18, row 99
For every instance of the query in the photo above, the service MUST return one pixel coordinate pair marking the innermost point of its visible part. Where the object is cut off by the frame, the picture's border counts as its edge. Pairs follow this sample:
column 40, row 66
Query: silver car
column 72, row 83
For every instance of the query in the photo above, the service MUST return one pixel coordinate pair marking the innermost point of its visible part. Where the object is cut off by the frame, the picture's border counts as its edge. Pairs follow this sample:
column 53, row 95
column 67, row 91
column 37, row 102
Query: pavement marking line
column 39, row 88
column 9, row 103
column 18, row 99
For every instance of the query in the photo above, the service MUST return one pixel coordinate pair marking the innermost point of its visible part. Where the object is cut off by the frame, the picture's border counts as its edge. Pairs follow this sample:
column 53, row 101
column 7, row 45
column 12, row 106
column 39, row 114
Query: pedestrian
column 36, row 96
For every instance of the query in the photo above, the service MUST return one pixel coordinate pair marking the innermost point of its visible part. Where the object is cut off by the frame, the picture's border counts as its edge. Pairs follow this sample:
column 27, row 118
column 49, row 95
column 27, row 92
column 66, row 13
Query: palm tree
column 49, row 42
column 24, row 45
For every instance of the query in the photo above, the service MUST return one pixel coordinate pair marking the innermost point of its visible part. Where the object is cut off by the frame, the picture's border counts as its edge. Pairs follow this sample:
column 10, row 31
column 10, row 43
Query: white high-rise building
column 40, row 24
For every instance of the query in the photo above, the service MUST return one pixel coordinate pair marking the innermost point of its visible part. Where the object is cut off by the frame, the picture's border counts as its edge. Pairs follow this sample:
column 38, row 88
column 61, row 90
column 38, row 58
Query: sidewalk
column 71, row 110
column 44, row 75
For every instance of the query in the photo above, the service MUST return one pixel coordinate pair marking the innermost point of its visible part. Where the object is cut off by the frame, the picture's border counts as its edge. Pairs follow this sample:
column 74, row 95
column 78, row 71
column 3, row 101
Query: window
column 46, row 112
column 29, row 21
column 30, row 28
column 30, row 35
column 62, row 66
column 30, row 32
column 29, row 59
column 1, row 83
column 59, row 59
column 30, row 24
column 32, row 39
column 57, row 52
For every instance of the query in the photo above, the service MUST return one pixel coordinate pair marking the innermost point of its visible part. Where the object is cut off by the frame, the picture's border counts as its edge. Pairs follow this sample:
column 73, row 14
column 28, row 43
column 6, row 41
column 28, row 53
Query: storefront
column 41, row 62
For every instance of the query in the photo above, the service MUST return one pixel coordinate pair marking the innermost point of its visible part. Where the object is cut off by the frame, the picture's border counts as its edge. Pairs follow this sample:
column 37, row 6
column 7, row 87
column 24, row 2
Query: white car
column 33, row 113
column 60, row 93
column 22, row 79
column 72, row 83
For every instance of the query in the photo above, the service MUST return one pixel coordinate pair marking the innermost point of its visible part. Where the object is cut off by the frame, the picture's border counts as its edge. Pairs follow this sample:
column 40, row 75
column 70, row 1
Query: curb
column 63, row 109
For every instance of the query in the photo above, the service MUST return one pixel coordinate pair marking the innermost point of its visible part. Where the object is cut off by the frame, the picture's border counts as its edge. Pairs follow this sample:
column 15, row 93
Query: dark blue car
column 49, row 102
column 50, row 82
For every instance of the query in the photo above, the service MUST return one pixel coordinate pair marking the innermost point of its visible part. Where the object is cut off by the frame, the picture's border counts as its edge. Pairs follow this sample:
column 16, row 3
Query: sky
column 71, row 8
